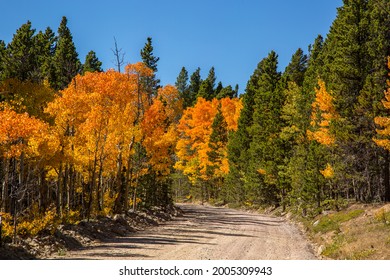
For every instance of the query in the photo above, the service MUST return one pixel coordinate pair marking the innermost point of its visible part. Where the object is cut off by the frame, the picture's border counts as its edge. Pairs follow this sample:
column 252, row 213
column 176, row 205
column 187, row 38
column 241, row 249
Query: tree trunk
column 387, row 177
column 5, row 195
column 59, row 192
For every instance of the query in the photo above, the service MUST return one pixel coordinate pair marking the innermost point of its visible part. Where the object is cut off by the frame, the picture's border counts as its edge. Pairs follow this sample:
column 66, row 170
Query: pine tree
column 265, row 151
column 183, row 88
column 218, row 89
column 151, row 84
column 91, row 64
column 207, row 87
column 226, row 92
column 352, row 53
column 19, row 59
column 45, row 47
column 195, row 81
column 239, row 144
column 295, row 71
column 65, row 61
column 2, row 58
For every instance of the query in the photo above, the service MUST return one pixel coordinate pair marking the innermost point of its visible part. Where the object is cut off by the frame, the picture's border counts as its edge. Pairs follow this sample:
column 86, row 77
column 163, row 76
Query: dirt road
column 205, row 232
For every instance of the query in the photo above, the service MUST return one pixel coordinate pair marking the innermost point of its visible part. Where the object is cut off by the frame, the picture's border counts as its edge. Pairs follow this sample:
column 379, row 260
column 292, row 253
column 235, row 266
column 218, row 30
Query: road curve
column 203, row 233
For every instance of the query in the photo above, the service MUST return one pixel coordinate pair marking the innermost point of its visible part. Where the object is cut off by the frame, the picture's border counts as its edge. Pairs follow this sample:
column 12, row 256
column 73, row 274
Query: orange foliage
column 97, row 116
column 18, row 131
column 195, row 128
column 384, row 122
column 323, row 112
column 159, row 129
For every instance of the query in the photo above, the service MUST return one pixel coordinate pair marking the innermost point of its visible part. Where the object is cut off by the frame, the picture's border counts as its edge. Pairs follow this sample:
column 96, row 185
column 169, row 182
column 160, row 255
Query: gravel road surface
column 205, row 232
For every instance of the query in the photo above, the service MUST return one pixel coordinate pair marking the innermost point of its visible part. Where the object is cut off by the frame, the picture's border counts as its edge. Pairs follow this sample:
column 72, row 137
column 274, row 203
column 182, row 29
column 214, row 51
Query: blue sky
column 231, row 35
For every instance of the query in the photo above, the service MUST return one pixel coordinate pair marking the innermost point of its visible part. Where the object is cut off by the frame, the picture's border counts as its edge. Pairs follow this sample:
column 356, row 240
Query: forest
column 77, row 142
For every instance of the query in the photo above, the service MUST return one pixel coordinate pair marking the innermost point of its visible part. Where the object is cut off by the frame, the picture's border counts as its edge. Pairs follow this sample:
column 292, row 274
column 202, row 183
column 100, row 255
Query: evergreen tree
column 239, row 144
column 207, row 86
column 226, row 92
column 2, row 58
column 217, row 143
column 369, row 100
column 45, row 47
column 65, row 61
column 184, row 89
column 295, row 71
column 195, row 81
column 218, row 89
column 151, row 83
column 350, row 72
column 265, row 151
column 20, row 55
column 92, row 63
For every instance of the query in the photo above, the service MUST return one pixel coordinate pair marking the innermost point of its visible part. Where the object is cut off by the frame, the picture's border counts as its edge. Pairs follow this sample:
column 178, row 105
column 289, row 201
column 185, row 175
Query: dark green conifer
column 151, row 83
column 66, row 63
column 195, row 81
column 92, row 63
column 19, row 60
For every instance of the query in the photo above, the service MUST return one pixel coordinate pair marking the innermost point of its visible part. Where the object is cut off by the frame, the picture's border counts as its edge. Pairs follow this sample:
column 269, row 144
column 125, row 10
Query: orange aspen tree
column 19, row 134
column 323, row 113
column 197, row 158
column 159, row 128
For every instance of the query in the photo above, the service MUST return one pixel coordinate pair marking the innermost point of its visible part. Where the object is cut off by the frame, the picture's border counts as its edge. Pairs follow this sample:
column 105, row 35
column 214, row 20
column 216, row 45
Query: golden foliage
column 384, row 122
column 323, row 113
column 328, row 172
column 195, row 128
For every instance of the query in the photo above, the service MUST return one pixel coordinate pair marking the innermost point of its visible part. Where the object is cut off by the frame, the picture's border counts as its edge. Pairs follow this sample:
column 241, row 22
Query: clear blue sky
column 231, row 35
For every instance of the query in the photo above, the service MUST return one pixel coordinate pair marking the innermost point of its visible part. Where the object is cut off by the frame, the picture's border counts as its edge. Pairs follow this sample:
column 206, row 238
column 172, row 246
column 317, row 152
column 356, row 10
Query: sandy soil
column 205, row 232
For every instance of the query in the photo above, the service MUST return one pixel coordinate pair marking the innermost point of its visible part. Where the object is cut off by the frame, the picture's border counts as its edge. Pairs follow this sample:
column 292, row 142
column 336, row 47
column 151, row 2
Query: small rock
column 320, row 249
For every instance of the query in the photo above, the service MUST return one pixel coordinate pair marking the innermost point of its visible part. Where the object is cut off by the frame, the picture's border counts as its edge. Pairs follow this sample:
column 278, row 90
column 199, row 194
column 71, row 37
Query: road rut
column 205, row 232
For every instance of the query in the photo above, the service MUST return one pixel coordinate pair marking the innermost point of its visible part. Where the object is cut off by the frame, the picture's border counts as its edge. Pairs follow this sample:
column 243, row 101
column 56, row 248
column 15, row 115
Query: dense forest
column 77, row 142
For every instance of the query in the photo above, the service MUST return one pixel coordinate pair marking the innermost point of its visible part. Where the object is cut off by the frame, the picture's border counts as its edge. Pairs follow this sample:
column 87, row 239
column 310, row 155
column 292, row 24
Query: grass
column 332, row 222
column 333, row 249
column 359, row 232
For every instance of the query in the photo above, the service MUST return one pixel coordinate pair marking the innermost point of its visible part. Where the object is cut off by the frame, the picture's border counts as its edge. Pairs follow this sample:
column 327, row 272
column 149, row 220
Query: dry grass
column 358, row 232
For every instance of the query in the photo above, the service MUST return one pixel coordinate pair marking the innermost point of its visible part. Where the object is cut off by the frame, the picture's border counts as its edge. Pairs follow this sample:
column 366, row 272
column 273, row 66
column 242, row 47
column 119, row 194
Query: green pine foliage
column 207, row 87
column 265, row 150
column 92, row 63
column 151, row 84
column 66, row 63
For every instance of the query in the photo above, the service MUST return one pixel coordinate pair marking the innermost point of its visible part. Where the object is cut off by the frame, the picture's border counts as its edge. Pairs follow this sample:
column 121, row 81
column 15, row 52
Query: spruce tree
column 239, row 144
column 295, row 71
column 207, row 87
column 369, row 100
column 65, row 61
column 92, row 63
column 45, row 47
column 183, row 88
column 346, row 71
column 151, row 84
column 2, row 58
column 226, row 92
column 265, row 151
column 218, row 89
column 19, row 59
column 195, row 81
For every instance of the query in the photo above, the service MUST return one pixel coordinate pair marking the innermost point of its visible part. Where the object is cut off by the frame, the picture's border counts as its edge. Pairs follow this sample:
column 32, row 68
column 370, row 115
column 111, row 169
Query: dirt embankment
column 358, row 232
column 69, row 238
column 204, row 232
